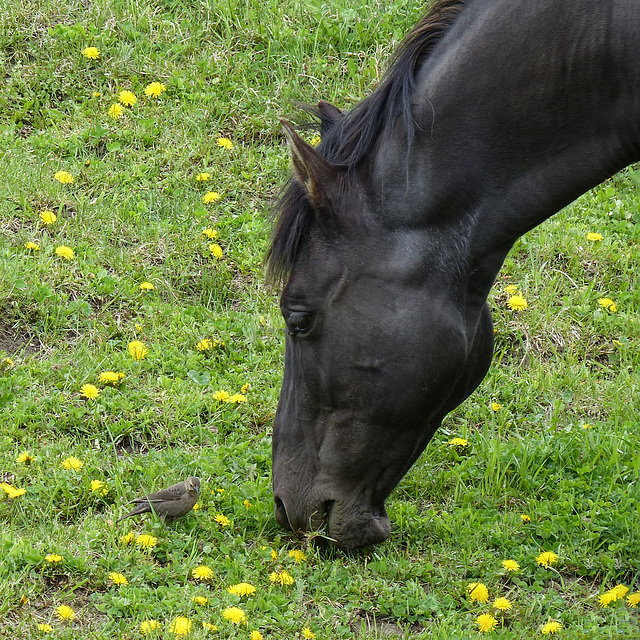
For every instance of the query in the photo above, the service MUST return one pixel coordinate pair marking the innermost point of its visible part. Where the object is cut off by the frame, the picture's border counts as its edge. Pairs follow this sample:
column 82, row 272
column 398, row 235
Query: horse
column 493, row 115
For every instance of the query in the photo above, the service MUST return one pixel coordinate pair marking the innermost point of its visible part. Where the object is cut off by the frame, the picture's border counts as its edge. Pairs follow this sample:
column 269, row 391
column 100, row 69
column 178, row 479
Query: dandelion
column 486, row 623
column 64, row 177
column 551, row 627
column 148, row 626
column 247, row 504
column 496, row 406
column 237, row 398
column 512, row 289
column 72, row 463
column 242, row 589
column 65, row 613
column 111, row 377
column 5, row 364
column 315, row 141
column 225, row 143
column 64, row 252
column 181, row 626
column 235, row 615
column 478, row 591
column 211, row 196
column 245, row 388
column 96, row 94
column 93, row 53
column 207, row 626
column 128, row 538
column 146, row 286
column 196, row 506
column 203, row 177
column 608, row 303
column 145, row 541
column 115, row 111
column 89, row 391
column 547, row 558
column 274, row 555
column 594, row 237
column 308, row 634
column 587, row 426
column 25, row 458
column 201, row 600
column 502, row 604
column 99, row 487
column 221, row 396
column 118, row 579
column 605, row 599
column 517, row 303
column 216, row 250
column 458, row 442
column 127, row 98
column 283, row 578
column 255, row 635
column 12, row 492
column 297, row 555
column 205, row 345
column 222, row 520
column 48, row 217
column 511, row 565
column 202, row 573
column 633, row 600
column 44, row 627
column 138, row 350
column 212, row 234
column 32, row 246
column 620, row 591
column 525, row 518
column 154, row 89
column 53, row 558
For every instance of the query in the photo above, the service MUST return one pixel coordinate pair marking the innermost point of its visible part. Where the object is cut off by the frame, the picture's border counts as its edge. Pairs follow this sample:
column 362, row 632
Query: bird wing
column 172, row 493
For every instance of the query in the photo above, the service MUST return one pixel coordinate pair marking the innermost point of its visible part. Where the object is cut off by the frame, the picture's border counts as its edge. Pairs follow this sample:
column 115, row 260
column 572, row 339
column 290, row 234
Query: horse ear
column 316, row 174
column 329, row 116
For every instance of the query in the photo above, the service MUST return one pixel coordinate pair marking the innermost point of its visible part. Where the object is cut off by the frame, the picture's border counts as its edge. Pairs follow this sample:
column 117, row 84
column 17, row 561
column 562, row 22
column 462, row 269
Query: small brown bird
column 174, row 502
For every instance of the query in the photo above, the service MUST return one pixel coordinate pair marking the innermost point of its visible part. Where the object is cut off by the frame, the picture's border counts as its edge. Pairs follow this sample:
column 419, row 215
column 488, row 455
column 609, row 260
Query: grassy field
column 552, row 433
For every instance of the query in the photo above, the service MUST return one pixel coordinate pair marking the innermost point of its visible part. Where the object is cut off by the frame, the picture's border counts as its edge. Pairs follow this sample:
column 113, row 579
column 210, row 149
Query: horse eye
column 299, row 323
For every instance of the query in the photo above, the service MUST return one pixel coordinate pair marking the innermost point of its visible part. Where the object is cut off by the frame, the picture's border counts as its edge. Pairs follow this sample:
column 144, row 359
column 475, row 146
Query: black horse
column 494, row 115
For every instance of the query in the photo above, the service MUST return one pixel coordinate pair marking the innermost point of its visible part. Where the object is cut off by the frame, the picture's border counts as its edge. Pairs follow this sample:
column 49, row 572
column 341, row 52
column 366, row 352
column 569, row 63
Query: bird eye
column 299, row 323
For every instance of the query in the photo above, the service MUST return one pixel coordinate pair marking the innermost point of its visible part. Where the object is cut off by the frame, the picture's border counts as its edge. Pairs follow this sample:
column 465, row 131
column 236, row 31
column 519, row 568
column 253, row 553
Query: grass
column 562, row 448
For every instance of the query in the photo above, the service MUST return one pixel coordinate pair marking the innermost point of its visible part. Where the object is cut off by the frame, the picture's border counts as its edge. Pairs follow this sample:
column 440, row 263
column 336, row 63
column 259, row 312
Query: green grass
column 134, row 213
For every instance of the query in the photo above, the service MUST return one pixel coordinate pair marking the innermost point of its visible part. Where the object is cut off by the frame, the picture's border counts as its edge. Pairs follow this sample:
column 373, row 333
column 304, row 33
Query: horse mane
column 349, row 141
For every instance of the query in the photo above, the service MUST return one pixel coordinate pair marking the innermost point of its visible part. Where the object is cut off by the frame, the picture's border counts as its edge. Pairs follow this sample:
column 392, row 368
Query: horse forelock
column 350, row 140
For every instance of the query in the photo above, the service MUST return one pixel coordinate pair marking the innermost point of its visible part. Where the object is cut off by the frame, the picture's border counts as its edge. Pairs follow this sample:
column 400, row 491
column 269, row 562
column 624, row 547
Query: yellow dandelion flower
column 315, row 141
column 96, row 94
column 127, row 98
column 245, row 388
column 181, row 626
column 235, row 615
column 48, row 217
column 511, row 565
column 221, row 396
column 608, row 303
column 478, row 591
column 255, row 635
column 486, row 623
column 216, row 250
column 145, row 541
column 594, row 237
column 512, row 289
column 205, row 345
column 207, row 626
column 32, row 246
column 547, row 558
column 237, row 398
column 72, row 463
column 138, row 350
column 5, row 364
column 496, row 406
column 53, row 558
column 111, row 377
column 64, row 177
column 633, row 600
column 97, row 486
column 202, row 573
column 211, row 196
column 459, row 442
column 525, row 518
column 118, row 579
column 115, row 110
column 11, row 491
column 274, row 555
column 619, row 591
column 65, row 252
column 212, row 234
column 44, row 627
column 283, row 578
column 242, row 589
column 25, row 458
column 89, row 391
column 222, row 520
column 587, row 426
column 551, row 627
column 65, row 613
column 129, row 538
column 93, row 53
column 502, row 604
column 196, row 506
column 201, row 600
column 225, row 143
column 148, row 626
column 146, row 286
column 247, row 504
column 154, row 89
column 203, row 176
column 297, row 555
column 308, row 634
column 517, row 303
column 605, row 599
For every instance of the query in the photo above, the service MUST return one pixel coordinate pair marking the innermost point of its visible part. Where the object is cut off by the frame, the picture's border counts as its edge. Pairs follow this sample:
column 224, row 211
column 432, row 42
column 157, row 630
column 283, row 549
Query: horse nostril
column 281, row 514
